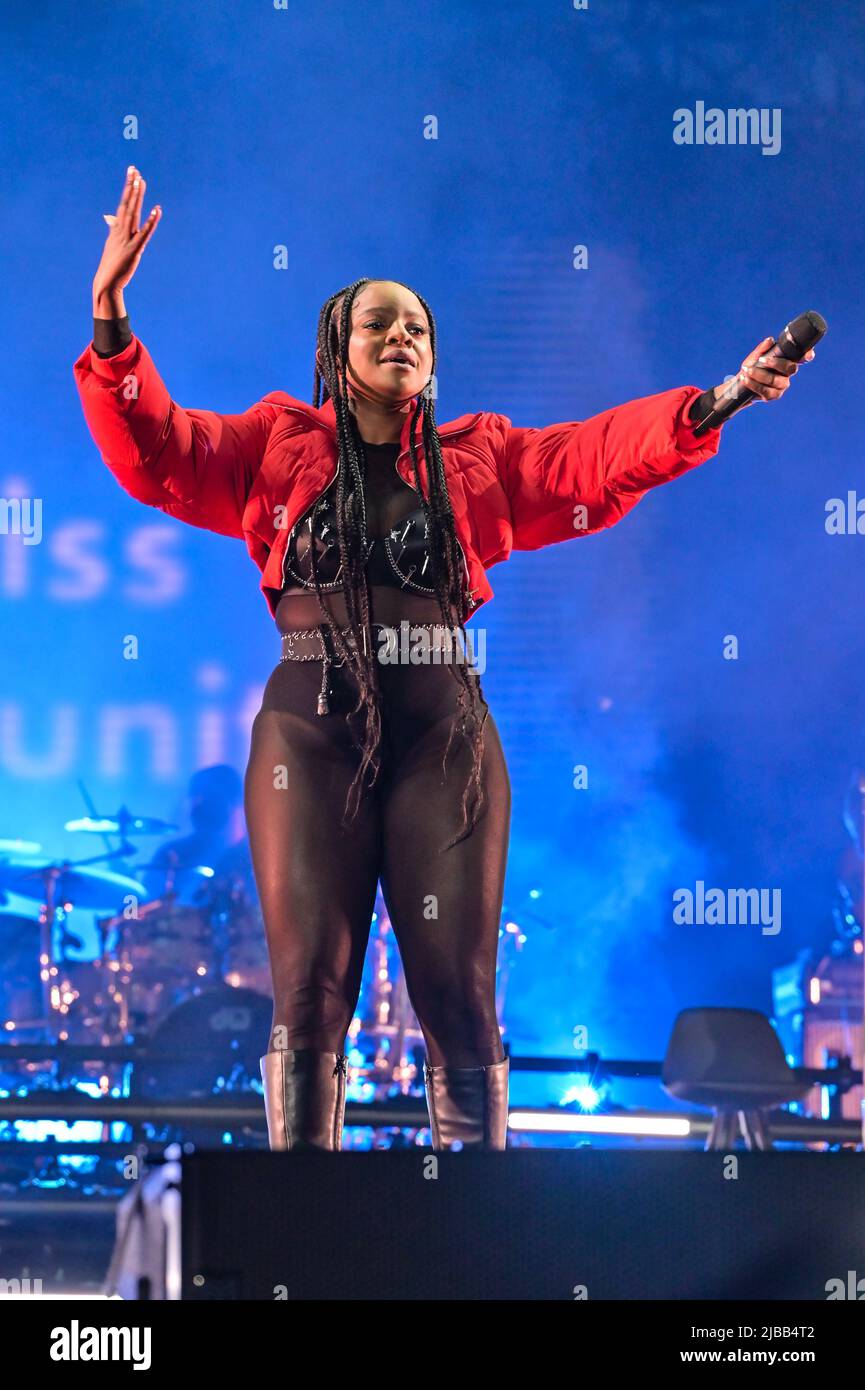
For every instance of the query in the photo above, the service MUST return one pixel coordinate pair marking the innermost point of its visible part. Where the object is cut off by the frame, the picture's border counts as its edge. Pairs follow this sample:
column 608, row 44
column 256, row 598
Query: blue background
column 304, row 127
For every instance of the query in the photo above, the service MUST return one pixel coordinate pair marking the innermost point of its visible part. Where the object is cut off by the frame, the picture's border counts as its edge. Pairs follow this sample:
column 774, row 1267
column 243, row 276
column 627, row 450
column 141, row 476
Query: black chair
column 732, row 1062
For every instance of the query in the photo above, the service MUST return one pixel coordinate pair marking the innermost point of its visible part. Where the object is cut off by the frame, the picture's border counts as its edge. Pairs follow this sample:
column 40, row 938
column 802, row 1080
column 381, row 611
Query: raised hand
column 123, row 248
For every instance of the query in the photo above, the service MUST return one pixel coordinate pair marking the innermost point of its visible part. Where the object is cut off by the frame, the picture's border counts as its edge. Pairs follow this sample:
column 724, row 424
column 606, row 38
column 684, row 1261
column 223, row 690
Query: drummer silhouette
column 215, row 796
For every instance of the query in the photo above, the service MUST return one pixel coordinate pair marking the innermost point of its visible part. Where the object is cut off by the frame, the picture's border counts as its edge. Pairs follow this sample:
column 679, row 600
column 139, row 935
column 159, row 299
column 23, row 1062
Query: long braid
column 352, row 541
column 472, row 709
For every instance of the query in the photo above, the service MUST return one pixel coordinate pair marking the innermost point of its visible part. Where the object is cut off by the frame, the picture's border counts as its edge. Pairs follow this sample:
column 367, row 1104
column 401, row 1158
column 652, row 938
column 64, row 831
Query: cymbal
column 19, row 847
column 124, row 823
column 83, row 887
column 161, row 867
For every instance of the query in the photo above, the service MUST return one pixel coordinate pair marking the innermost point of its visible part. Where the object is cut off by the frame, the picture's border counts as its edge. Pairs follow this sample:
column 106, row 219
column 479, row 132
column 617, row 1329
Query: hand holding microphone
column 766, row 371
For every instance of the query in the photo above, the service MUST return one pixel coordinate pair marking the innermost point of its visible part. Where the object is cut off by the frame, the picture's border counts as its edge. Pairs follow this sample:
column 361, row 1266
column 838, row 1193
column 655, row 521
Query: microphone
column 792, row 342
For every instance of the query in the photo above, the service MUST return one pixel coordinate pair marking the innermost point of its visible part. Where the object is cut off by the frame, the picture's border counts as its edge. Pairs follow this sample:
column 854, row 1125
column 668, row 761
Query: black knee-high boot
column 468, row 1105
column 304, row 1098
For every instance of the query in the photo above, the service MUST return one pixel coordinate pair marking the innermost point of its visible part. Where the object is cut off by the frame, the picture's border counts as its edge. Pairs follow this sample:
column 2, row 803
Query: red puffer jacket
column 254, row 475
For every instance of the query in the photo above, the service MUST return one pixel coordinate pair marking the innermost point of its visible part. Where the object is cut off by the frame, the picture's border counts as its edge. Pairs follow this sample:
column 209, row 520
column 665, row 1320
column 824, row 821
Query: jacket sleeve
column 571, row 479
column 192, row 464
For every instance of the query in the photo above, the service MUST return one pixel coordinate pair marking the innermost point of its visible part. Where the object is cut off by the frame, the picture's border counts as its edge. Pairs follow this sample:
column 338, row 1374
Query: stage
column 432, row 733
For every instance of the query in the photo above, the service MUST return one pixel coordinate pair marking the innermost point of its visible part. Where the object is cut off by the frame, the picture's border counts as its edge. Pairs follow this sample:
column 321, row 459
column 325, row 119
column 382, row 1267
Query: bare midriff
column 296, row 611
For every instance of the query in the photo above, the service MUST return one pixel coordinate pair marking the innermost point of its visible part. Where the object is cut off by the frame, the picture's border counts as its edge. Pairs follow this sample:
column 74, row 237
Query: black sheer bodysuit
column 317, row 880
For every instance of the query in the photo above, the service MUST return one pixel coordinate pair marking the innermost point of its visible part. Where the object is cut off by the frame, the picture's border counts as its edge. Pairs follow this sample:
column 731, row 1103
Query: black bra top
column 398, row 558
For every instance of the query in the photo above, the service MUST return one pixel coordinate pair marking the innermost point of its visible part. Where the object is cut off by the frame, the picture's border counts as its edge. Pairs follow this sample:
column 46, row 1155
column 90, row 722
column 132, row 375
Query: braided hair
column 470, row 716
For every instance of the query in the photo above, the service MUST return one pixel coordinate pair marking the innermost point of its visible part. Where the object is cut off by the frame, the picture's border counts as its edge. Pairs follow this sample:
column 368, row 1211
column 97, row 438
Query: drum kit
column 182, row 989
column 153, row 958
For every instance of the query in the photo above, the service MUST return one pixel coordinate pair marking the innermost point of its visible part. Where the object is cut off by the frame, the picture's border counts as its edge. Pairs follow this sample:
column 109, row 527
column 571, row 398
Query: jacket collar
column 326, row 416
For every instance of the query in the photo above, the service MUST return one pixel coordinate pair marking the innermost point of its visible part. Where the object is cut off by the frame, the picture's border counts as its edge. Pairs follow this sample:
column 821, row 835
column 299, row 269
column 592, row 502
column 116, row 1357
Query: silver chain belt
column 313, row 640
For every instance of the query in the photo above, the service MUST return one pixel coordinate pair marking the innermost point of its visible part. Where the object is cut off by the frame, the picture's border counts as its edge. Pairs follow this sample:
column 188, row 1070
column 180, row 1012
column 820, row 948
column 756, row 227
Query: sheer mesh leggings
column 317, row 881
